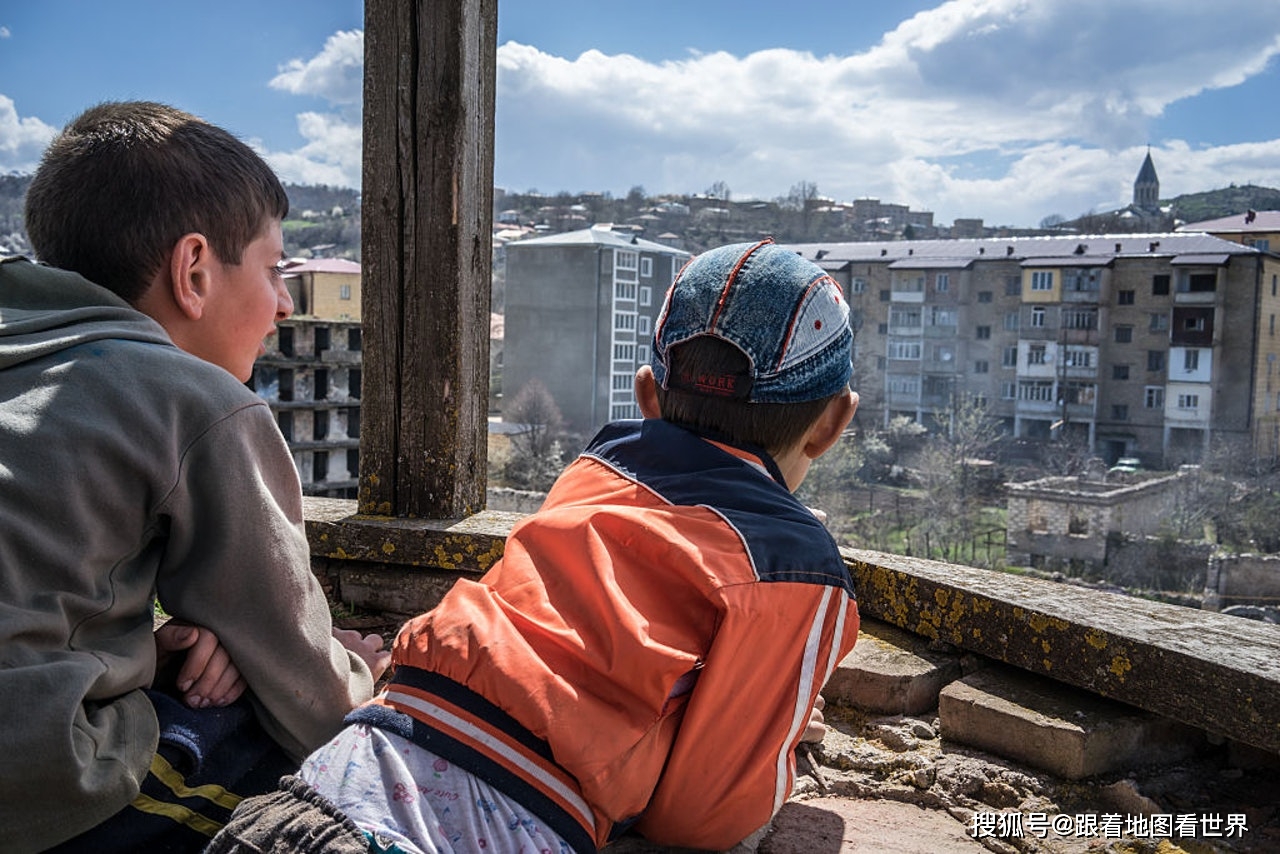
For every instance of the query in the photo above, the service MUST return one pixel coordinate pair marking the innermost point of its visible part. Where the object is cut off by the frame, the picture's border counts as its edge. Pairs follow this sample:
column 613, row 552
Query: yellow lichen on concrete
column 1095, row 639
column 1039, row 622
column 388, row 547
column 1120, row 666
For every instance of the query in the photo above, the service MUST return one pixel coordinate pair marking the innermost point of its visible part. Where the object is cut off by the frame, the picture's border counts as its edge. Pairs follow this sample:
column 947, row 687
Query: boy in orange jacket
column 648, row 652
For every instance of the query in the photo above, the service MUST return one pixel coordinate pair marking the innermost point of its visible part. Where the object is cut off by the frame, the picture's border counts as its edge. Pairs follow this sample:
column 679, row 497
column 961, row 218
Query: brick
column 1062, row 730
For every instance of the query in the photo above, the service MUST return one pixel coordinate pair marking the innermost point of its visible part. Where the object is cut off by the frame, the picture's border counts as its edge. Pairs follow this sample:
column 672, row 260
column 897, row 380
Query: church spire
column 1146, row 189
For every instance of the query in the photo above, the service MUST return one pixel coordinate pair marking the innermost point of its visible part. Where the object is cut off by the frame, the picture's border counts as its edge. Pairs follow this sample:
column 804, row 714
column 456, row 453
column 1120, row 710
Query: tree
column 537, row 454
column 718, row 190
column 949, row 468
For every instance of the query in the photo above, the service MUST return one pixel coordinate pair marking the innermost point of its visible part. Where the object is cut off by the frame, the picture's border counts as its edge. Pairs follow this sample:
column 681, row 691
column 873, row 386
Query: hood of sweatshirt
column 44, row 310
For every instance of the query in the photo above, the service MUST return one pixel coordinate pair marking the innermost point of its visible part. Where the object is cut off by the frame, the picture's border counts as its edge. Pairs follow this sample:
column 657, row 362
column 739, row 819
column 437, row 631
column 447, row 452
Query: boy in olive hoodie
column 135, row 464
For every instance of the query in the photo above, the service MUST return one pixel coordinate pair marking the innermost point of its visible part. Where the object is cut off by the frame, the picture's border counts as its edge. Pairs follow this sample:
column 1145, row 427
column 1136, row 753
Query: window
column 882, row 328
column 621, row 382
column 984, row 332
column 1124, row 297
column 1188, row 401
column 1038, row 392
column 1159, row 322
column 985, row 296
column 942, row 283
column 626, row 260
column 942, row 316
column 1008, row 391
column 1009, row 357
column 624, row 290
column 1261, row 243
column 1273, row 325
column 1193, row 324
column 1077, row 358
column 624, row 321
column 884, row 296
column 1200, row 283
column 1160, row 284
column 905, row 350
column 646, row 295
column 1037, row 318
column 344, row 292
column 1119, row 412
column 1153, row 397
column 905, row 317
column 903, row 385
column 1119, row 372
column 1079, row 318
column 642, row 354
column 1037, row 354
column 624, row 352
column 1012, row 286
column 859, row 285
column 1191, row 360
column 1042, row 280
column 642, row 325
column 981, row 366
column 1081, row 280
column 1155, row 360
column 1124, row 334
column 943, row 353
column 646, row 268
column 1011, row 322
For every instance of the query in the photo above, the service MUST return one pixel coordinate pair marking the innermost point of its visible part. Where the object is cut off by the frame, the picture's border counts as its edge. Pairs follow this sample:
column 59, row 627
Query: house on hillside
column 326, row 288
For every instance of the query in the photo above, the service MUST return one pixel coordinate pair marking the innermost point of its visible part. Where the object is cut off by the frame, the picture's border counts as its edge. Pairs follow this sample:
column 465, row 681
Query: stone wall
column 1242, row 580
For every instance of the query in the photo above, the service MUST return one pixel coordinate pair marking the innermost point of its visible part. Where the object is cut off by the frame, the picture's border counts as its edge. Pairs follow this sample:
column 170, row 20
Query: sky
column 1006, row 110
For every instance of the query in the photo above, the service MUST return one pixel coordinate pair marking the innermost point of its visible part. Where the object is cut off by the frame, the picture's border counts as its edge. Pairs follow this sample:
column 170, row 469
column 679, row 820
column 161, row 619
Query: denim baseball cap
column 784, row 313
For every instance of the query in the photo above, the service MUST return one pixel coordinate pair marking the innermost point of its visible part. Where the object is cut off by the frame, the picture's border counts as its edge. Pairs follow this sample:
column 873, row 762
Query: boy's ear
column 830, row 425
column 646, row 388
column 190, row 274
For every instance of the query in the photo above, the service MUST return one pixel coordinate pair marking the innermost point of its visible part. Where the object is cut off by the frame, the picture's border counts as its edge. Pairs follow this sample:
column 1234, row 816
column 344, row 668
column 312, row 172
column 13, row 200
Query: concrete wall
column 1242, row 580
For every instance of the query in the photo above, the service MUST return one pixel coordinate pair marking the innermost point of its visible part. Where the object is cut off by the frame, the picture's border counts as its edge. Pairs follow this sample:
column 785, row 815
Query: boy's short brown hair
column 125, row 180
column 775, row 427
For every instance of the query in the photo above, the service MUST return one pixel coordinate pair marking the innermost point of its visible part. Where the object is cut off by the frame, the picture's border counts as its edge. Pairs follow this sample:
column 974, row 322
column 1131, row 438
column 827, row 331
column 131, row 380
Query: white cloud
column 5, row 33
column 334, row 74
column 22, row 140
column 1005, row 109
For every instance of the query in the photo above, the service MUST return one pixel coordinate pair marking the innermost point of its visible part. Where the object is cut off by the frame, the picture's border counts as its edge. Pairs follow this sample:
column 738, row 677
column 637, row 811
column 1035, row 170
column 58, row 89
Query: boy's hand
column 207, row 677
column 817, row 728
column 368, row 647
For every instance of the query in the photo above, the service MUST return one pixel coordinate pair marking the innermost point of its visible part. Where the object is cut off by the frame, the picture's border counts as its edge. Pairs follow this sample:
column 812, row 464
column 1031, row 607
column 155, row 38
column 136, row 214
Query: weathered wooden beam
column 1215, row 672
column 427, row 200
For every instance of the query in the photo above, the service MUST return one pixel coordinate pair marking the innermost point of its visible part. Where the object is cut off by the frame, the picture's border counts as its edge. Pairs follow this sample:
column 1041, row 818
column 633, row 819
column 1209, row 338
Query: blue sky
column 1008, row 110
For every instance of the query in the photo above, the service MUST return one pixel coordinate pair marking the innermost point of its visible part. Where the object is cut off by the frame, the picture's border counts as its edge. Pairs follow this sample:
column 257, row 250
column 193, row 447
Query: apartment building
column 580, row 311
column 311, row 378
column 1150, row 346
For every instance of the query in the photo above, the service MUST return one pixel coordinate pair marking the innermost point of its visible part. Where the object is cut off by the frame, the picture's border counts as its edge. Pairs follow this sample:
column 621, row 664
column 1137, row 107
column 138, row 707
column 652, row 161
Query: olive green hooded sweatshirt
column 130, row 469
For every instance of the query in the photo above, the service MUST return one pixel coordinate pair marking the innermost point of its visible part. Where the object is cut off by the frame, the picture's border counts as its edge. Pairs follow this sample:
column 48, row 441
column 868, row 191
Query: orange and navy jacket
column 647, row 651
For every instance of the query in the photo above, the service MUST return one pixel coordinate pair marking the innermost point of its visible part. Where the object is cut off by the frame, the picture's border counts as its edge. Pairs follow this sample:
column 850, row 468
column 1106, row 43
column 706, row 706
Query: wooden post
column 427, row 213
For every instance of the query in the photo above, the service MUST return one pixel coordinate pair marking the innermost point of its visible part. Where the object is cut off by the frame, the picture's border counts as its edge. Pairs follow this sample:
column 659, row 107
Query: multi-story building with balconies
column 1151, row 346
column 580, row 312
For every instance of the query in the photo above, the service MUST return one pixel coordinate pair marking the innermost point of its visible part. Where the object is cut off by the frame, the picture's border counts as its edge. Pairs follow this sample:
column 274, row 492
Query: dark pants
column 207, row 761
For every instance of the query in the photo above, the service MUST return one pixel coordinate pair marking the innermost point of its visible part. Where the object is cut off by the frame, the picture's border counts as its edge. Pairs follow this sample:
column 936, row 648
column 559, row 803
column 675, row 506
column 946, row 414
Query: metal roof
column 1097, row 248
column 598, row 235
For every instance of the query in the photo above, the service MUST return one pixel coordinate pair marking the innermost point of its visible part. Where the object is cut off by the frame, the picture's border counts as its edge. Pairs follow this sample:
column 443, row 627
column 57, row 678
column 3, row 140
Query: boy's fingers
column 174, row 636
column 198, row 656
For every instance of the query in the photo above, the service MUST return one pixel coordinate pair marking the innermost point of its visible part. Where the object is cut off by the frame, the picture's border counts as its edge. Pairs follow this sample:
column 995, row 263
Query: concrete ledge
column 1062, row 730
column 470, row 545
column 891, row 672
column 1212, row 671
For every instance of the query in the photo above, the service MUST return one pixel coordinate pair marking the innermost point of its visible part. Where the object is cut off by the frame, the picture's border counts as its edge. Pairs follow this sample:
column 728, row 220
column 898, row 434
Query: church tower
column 1146, row 189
